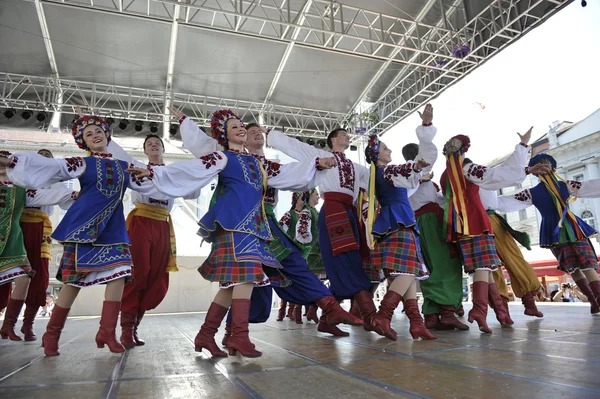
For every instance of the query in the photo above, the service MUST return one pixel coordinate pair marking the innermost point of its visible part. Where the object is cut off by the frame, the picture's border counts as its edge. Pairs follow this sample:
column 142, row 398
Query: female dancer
column 14, row 265
column 96, row 245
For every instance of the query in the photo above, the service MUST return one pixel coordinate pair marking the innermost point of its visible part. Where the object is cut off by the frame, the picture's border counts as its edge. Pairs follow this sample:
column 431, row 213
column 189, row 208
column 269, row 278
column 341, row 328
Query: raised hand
column 421, row 163
column 427, row 115
column 540, row 169
column 327, row 163
column 4, row 162
column 79, row 111
column 175, row 113
column 138, row 172
column 526, row 137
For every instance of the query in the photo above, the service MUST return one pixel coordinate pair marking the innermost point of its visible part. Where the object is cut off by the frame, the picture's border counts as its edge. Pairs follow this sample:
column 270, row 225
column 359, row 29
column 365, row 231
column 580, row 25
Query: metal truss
column 493, row 29
column 43, row 94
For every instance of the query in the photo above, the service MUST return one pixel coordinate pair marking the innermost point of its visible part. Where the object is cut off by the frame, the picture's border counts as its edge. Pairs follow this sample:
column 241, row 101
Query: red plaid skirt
column 69, row 274
column 479, row 253
column 221, row 266
column 575, row 255
column 400, row 253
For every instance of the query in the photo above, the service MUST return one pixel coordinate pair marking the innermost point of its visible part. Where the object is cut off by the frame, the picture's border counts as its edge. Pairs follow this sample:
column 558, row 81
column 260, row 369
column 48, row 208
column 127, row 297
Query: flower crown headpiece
column 372, row 150
column 457, row 144
column 84, row 121
column 218, row 125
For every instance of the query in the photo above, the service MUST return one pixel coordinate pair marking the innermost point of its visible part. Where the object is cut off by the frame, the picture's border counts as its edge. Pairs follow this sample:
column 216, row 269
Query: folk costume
column 563, row 232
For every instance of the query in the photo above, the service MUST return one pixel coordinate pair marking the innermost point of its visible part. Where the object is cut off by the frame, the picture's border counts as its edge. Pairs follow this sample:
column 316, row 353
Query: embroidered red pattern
column 391, row 171
column 345, row 171
column 31, row 193
column 211, row 159
column 74, row 163
column 524, row 196
column 477, row 171
column 13, row 162
column 285, row 220
column 575, row 185
column 303, row 224
column 270, row 195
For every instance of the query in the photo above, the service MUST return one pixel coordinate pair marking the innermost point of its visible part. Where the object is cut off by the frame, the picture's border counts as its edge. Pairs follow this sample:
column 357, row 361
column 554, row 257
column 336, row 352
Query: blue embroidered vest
column 97, row 215
column 395, row 208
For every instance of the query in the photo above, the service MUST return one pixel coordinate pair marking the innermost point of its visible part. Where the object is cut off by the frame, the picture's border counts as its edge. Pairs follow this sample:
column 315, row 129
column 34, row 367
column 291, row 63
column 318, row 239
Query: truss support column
column 170, row 68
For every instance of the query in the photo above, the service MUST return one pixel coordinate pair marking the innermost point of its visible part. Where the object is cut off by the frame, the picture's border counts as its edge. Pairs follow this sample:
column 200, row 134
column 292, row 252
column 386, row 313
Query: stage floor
column 558, row 356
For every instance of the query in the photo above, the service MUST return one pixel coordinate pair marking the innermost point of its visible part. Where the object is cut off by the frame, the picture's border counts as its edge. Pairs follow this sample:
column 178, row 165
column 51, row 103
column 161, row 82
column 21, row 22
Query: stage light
column 310, row 142
column 123, row 124
column 138, row 126
column 41, row 116
column 26, row 114
column 173, row 130
column 10, row 112
column 322, row 143
column 298, row 138
column 153, row 127
column 353, row 148
column 110, row 120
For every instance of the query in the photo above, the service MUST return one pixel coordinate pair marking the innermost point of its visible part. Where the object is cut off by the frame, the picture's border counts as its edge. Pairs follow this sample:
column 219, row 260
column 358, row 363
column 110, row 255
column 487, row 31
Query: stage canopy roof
column 303, row 65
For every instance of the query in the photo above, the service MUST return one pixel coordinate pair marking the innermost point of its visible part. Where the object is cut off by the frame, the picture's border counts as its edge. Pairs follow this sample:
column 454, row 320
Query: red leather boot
column 227, row 334
column 417, row 326
column 460, row 312
column 28, row 319
column 298, row 314
column 311, row 315
column 500, row 307
column 480, row 306
column 108, row 325
column 364, row 301
column 330, row 329
column 354, row 310
column 335, row 314
column 206, row 336
column 281, row 313
column 290, row 312
column 585, row 288
column 530, row 309
column 595, row 289
column 128, row 322
column 138, row 320
column 239, row 340
column 53, row 330
column 448, row 319
column 10, row 319
column 383, row 318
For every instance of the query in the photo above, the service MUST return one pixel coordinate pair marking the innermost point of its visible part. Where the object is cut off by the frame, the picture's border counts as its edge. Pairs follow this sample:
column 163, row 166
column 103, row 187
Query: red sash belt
column 339, row 228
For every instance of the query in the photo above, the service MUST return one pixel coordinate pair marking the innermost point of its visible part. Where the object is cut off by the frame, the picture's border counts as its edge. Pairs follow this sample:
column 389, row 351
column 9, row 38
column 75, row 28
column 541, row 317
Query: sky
column 550, row 74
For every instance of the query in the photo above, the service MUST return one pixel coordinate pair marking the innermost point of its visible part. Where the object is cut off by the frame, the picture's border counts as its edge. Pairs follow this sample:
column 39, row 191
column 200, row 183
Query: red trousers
column 33, row 235
column 36, row 295
column 150, row 250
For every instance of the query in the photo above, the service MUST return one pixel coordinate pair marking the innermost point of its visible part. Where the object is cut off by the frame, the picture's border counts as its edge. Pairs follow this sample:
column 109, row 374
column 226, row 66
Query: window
column 523, row 214
column 588, row 217
column 578, row 177
column 69, row 184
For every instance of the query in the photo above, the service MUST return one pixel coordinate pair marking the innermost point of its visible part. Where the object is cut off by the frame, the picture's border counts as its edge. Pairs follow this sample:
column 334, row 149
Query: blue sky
column 549, row 74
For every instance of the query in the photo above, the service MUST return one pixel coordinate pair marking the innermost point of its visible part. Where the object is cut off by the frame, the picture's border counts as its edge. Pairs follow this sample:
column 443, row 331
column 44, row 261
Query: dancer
column 37, row 228
column 96, row 246
column 153, row 246
column 341, row 241
column 14, row 265
column 467, row 224
column 235, row 224
column 564, row 233
column 306, row 287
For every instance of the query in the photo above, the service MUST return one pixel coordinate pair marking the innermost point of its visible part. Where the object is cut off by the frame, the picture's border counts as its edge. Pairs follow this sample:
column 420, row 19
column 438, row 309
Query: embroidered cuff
column 182, row 119
column 427, row 124
column 13, row 162
column 415, row 169
column 527, row 172
column 317, row 164
column 524, row 145
column 74, row 195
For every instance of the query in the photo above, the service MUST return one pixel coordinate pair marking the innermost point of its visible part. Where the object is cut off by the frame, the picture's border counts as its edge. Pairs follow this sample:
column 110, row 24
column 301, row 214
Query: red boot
column 432, row 321
column 530, row 309
column 28, row 319
column 53, row 330
column 128, row 322
column 330, row 329
column 448, row 319
column 417, row 326
column 136, row 338
column 281, row 313
column 206, row 336
column 10, row 319
column 595, row 288
column 364, row 301
column 240, row 341
column 500, row 307
column 460, row 312
column 354, row 310
column 108, row 325
column 311, row 315
column 383, row 318
column 227, row 334
column 290, row 312
column 298, row 314
column 335, row 314
column 480, row 306
column 585, row 288
column 306, row 308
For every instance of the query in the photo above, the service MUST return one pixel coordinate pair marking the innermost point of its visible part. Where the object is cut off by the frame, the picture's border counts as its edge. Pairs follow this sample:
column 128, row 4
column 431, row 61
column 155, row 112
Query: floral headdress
column 84, row 121
column 372, row 150
column 457, row 144
column 456, row 223
column 218, row 125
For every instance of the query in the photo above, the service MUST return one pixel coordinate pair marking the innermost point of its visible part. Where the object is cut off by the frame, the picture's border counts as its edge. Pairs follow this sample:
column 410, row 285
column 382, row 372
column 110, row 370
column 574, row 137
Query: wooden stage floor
column 554, row 357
